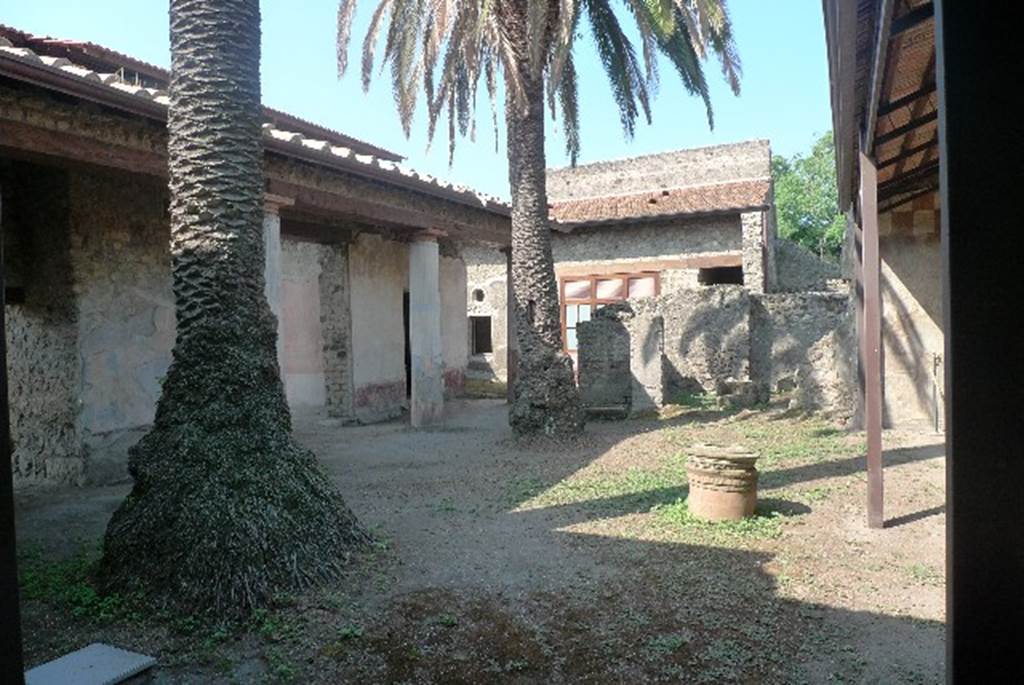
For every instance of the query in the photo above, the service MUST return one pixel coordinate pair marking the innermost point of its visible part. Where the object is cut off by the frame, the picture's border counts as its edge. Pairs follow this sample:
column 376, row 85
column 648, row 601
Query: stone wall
column 803, row 344
column 801, row 270
column 722, row 340
column 336, row 329
column 121, row 263
column 629, row 246
column 697, row 166
column 44, row 375
column 707, row 337
column 487, row 295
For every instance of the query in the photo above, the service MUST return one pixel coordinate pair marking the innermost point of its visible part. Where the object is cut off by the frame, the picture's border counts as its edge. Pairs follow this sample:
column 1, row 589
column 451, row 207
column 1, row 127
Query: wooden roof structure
column 884, row 97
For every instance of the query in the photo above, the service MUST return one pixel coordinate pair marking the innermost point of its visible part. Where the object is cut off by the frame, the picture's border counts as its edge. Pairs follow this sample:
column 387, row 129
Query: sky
column 784, row 94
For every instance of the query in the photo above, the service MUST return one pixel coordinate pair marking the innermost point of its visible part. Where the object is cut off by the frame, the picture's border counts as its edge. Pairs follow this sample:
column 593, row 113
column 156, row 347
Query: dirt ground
column 499, row 562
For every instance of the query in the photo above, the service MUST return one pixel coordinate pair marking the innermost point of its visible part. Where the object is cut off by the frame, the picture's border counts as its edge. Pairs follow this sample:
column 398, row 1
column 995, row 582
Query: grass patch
column 480, row 388
column 765, row 524
column 808, row 440
column 71, row 583
column 631, row 490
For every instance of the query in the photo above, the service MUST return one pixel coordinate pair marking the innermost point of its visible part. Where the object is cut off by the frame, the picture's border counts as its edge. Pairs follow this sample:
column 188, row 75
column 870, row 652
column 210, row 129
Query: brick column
column 272, row 263
column 426, row 358
column 753, row 251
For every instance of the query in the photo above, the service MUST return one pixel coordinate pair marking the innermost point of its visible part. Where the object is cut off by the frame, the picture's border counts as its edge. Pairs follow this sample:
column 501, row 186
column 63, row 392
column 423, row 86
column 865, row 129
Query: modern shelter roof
column 884, row 92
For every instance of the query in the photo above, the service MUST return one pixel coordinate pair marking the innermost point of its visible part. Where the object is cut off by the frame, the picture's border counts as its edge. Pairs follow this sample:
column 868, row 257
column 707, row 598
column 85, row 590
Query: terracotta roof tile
column 707, row 199
column 293, row 143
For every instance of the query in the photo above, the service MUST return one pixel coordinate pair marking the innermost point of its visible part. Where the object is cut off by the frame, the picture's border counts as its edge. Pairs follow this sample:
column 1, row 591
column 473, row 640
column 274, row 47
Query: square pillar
column 272, row 264
column 753, row 246
column 426, row 358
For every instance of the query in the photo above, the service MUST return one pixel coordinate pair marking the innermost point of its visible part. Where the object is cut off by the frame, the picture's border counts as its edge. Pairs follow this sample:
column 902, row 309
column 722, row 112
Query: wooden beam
column 909, row 152
column 60, row 147
column 905, row 128
column 926, row 173
column 878, row 66
column 872, row 339
column 980, row 154
column 913, row 18
column 339, row 207
column 909, row 99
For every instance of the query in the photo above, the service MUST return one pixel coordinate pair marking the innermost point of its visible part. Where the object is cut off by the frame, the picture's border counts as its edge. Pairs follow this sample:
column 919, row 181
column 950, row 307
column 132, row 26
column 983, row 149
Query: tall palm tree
column 226, row 509
column 449, row 46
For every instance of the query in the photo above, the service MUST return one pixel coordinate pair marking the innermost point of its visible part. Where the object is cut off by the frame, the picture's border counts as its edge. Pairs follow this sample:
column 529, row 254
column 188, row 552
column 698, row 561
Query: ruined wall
column 803, row 345
column 604, row 377
column 452, row 281
column 801, row 270
column 301, row 330
column 120, row 235
column 487, row 295
column 722, row 340
column 379, row 276
column 42, row 361
column 707, row 337
column 336, row 329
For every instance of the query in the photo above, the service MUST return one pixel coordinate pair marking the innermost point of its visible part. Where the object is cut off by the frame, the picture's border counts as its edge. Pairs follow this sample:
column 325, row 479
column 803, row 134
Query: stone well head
column 723, row 482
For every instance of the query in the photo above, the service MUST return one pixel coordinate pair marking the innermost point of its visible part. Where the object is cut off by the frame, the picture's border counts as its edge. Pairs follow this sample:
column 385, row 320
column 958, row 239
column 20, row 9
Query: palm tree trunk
column 226, row 510
column 546, row 399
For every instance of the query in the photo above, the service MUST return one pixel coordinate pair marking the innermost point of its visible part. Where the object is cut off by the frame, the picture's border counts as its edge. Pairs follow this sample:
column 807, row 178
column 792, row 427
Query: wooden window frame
column 594, row 300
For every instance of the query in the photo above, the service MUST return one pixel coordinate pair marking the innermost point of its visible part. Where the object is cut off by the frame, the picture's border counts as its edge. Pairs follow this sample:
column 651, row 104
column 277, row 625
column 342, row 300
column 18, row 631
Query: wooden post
column 872, row 337
column 11, row 660
column 981, row 147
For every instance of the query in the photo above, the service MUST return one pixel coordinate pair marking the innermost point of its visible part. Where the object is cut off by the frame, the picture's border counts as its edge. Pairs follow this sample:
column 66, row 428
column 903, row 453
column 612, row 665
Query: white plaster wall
column 379, row 275
column 301, row 336
column 912, row 337
column 454, row 322
column 122, row 272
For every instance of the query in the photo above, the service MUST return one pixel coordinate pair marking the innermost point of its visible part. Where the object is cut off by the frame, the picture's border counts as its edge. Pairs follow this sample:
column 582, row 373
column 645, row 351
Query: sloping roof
column 131, row 70
column 708, row 199
column 112, row 89
column 883, row 85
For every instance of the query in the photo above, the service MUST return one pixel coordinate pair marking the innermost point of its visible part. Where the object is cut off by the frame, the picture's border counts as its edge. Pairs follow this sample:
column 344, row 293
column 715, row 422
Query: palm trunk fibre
column 226, row 509
column 546, row 400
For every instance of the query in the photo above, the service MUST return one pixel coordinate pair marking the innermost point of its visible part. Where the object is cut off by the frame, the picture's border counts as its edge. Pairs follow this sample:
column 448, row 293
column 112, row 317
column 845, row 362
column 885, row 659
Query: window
column 721, row 275
column 480, row 335
column 478, row 295
column 583, row 295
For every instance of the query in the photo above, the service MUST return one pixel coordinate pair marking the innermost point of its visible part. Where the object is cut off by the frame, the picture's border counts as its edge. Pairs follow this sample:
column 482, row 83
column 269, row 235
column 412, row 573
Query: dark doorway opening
column 480, row 332
column 408, row 347
column 721, row 275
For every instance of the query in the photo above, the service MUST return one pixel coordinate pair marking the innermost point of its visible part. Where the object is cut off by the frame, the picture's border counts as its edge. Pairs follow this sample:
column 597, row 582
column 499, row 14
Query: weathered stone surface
column 44, row 375
column 722, row 481
column 336, row 329
column 725, row 341
column 800, row 270
column 804, row 343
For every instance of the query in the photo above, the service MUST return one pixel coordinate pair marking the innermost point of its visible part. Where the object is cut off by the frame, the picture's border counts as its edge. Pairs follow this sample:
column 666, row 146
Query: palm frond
column 568, row 96
column 346, row 12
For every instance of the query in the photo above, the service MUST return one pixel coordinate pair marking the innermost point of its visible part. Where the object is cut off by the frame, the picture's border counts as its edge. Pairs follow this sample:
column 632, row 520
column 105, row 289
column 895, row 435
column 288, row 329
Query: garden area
column 496, row 560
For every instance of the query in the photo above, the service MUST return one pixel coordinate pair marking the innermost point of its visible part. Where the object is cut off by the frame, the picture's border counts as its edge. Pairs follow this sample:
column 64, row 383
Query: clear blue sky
column 784, row 92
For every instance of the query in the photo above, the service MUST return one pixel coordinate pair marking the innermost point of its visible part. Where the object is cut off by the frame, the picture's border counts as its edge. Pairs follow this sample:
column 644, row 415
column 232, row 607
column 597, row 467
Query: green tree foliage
column 807, row 201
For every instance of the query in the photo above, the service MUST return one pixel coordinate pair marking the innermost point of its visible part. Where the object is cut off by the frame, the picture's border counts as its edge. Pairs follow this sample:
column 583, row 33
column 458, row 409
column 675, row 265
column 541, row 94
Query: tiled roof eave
column 58, row 74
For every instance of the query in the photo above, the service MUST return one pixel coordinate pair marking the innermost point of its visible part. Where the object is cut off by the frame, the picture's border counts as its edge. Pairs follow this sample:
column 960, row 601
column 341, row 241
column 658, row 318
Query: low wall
column 721, row 339
column 804, row 344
